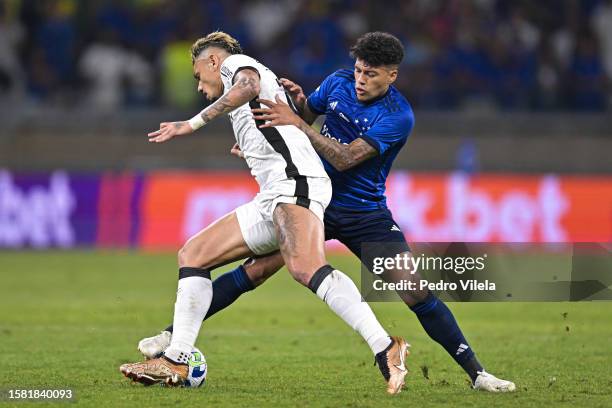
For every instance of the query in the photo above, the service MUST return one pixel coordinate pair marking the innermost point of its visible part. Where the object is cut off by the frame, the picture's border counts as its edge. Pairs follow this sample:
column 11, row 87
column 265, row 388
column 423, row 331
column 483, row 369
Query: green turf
column 68, row 320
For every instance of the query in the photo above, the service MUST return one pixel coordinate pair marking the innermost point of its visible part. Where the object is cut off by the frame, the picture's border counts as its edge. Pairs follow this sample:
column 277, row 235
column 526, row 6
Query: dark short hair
column 378, row 48
column 216, row 39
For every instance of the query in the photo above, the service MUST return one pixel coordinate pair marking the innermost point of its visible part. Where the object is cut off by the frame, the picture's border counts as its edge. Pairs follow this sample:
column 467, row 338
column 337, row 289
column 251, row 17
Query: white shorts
column 255, row 217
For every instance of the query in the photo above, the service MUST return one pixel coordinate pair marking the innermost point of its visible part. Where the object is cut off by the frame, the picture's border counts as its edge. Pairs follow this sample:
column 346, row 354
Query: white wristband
column 196, row 122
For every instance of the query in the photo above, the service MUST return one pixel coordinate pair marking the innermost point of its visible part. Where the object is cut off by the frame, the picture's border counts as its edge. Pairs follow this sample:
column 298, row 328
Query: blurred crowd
column 460, row 54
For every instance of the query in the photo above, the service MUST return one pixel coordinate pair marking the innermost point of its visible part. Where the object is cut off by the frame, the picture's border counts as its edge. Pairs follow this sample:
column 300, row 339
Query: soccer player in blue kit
column 367, row 123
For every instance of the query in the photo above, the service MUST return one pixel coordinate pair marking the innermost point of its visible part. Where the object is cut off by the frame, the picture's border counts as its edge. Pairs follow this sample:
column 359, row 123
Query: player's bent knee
column 187, row 257
column 300, row 274
column 302, row 277
column 260, row 268
column 182, row 257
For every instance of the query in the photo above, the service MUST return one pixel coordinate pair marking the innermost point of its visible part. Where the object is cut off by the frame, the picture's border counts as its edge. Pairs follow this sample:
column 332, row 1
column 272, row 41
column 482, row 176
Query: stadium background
column 498, row 87
column 512, row 143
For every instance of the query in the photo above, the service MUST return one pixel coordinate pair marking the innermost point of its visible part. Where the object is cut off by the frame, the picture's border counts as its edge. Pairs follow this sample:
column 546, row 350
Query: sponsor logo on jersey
column 325, row 132
column 226, row 72
column 333, row 105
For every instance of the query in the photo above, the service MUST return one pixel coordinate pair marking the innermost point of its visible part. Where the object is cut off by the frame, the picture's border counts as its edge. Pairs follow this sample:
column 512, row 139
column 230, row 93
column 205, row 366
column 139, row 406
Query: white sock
column 193, row 299
column 343, row 297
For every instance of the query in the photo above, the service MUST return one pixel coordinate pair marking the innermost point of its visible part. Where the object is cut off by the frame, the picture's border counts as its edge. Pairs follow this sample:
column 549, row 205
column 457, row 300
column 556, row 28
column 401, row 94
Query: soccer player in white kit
column 286, row 214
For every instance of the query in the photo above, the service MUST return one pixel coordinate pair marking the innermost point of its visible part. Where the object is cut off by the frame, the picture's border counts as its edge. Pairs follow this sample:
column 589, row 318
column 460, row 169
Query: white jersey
column 272, row 154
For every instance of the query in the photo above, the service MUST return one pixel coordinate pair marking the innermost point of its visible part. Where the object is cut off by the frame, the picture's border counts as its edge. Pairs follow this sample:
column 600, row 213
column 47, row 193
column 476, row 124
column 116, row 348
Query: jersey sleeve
column 317, row 100
column 389, row 131
column 234, row 64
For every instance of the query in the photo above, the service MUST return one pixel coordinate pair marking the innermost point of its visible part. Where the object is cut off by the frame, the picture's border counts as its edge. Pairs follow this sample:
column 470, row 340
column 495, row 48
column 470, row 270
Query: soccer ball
column 197, row 369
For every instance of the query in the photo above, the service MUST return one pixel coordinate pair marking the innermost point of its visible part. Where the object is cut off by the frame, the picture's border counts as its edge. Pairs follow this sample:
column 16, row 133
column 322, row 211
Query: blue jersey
column 384, row 123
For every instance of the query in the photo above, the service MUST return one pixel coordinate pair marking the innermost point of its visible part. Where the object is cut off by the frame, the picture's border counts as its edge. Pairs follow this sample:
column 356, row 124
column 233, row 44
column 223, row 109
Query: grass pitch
column 69, row 319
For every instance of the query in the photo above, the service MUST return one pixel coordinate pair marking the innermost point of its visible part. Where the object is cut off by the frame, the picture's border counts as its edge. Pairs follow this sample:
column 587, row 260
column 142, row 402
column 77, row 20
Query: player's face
column 206, row 72
column 372, row 82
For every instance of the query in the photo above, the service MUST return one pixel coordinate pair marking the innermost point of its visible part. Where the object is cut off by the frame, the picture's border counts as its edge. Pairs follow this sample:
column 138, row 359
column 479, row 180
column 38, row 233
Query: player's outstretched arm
column 246, row 87
column 341, row 156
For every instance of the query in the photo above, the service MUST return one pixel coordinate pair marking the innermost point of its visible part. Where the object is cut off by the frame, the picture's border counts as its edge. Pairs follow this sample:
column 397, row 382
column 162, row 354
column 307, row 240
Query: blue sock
column 440, row 324
column 226, row 289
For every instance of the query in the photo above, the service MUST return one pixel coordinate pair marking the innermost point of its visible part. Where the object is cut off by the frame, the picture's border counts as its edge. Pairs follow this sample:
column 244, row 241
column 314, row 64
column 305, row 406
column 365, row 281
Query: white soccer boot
column 154, row 347
column 489, row 382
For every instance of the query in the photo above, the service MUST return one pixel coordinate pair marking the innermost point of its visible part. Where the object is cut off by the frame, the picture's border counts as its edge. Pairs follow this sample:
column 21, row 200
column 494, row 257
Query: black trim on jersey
column 245, row 67
column 275, row 139
column 301, row 191
column 277, row 142
column 301, row 186
column 303, row 201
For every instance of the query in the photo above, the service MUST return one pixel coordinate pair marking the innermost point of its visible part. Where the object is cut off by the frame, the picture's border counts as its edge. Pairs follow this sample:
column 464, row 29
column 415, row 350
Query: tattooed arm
column 245, row 88
column 341, row 156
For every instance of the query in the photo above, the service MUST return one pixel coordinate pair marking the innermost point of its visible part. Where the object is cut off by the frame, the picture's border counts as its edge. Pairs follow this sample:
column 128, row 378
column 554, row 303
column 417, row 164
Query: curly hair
column 215, row 39
column 378, row 48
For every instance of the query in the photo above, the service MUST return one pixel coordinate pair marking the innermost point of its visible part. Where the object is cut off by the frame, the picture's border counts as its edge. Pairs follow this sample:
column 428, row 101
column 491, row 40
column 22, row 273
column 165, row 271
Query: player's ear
column 213, row 62
column 392, row 75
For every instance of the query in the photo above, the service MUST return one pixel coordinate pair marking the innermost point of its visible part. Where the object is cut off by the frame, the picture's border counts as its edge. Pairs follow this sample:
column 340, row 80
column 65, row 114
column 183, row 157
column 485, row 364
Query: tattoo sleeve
column 339, row 155
column 244, row 89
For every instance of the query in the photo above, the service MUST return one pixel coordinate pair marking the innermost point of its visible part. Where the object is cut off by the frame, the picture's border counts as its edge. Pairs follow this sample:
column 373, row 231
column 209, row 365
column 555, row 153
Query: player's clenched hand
column 167, row 130
column 236, row 151
column 276, row 114
column 296, row 92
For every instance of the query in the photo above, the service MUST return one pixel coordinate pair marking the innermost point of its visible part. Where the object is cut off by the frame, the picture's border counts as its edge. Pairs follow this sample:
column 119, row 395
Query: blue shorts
column 354, row 228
